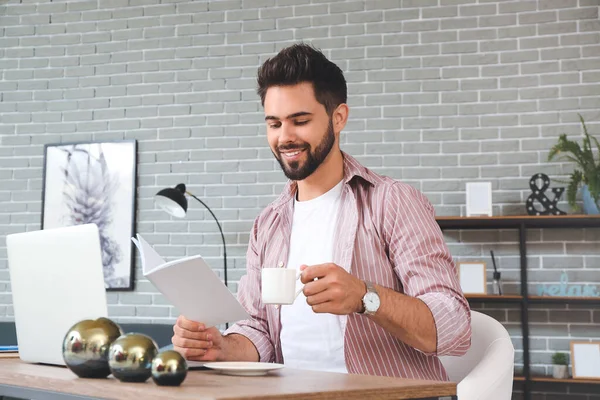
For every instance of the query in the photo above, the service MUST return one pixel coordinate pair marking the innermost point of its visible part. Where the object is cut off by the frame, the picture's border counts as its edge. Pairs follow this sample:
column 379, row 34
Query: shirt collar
column 352, row 168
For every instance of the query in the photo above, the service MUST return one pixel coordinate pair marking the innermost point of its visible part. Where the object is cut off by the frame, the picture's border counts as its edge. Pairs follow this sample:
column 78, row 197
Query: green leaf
column 565, row 145
column 587, row 170
column 576, row 178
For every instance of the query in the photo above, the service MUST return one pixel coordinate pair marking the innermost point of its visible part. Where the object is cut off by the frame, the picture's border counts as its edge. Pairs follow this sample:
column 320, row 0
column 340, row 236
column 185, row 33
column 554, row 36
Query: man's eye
column 274, row 126
column 301, row 122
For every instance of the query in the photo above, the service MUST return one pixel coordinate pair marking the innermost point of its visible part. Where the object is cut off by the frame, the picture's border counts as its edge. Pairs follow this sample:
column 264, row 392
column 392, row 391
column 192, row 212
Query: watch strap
column 370, row 287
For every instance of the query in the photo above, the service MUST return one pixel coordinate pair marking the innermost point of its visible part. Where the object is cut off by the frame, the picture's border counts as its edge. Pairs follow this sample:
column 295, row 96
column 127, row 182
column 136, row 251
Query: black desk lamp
column 174, row 202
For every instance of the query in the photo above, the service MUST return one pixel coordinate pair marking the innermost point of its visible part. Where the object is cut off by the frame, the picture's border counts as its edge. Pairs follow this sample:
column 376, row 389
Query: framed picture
column 479, row 199
column 95, row 183
column 472, row 277
column 585, row 359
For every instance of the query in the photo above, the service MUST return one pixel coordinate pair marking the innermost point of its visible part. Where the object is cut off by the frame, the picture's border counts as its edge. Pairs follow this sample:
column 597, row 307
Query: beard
column 300, row 170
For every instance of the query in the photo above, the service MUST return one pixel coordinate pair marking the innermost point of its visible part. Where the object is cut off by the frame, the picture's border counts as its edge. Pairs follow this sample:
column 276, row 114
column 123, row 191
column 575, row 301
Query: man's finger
column 184, row 333
column 190, row 343
column 315, row 271
column 326, row 307
column 314, row 287
column 319, row 298
column 190, row 325
column 188, row 353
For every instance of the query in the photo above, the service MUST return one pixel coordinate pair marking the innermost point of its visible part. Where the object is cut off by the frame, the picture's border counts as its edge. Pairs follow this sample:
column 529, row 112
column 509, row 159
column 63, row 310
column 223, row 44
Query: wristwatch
column 370, row 300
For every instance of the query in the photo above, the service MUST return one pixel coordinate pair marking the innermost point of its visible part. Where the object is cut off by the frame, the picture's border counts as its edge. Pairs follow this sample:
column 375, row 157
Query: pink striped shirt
column 387, row 234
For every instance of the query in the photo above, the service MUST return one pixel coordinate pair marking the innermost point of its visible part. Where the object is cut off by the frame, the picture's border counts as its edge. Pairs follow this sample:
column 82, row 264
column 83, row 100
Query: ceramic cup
column 279, row 285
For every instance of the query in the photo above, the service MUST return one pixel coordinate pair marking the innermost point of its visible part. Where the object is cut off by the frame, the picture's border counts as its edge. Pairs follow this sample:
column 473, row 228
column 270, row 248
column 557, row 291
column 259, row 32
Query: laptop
column 57, row 280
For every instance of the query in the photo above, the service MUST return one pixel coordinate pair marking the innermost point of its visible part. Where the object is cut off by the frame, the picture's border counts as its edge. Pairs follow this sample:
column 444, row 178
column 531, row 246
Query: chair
column 486, row 371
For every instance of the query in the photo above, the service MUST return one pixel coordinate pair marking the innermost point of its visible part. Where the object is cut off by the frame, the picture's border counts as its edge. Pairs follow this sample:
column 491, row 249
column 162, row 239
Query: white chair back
column 486, row 371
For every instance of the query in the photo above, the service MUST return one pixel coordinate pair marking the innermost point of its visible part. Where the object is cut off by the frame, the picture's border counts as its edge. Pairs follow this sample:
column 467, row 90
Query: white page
column 150, row 258
column 586, row 360
column 193, row 287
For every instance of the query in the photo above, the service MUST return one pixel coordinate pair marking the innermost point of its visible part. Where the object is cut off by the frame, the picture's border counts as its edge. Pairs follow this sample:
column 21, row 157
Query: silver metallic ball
column 130, row 357
column 85, row 347
column 169, row 368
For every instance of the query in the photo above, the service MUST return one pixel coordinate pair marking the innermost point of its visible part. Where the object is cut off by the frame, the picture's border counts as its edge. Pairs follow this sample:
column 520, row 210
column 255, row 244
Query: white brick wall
column 441, row 92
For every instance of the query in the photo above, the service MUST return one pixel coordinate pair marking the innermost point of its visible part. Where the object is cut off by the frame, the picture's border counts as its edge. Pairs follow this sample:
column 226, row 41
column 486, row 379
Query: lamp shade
column 172, row 200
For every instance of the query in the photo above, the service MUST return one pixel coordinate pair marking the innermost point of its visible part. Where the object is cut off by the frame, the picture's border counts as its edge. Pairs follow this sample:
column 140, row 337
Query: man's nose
column 287, row 133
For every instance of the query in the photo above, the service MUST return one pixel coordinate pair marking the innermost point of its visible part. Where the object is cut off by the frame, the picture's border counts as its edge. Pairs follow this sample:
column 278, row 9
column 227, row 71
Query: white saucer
column 242, row 368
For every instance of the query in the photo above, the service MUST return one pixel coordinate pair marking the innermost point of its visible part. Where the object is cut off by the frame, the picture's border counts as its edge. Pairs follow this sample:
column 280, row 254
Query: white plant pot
column 560, row 371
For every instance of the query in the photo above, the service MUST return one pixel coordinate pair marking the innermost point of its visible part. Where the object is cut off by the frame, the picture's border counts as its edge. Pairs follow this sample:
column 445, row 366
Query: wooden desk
column 19, row 379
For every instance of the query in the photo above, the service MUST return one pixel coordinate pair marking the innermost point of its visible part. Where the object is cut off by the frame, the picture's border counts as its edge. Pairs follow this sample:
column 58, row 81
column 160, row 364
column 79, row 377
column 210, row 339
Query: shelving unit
column 496, row 299
column 549, row 379
column 522, row 223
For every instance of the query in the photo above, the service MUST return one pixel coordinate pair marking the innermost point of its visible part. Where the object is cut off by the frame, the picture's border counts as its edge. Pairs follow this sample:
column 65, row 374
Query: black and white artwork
column 95, row 183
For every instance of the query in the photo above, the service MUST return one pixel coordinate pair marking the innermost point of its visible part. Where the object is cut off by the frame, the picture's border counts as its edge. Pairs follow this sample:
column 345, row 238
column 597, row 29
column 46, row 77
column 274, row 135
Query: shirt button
column 280, row 264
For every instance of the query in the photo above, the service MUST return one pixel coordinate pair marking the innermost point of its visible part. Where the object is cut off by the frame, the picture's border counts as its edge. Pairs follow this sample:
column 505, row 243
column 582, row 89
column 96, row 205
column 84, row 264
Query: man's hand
column 196, row 342
column 334, row 291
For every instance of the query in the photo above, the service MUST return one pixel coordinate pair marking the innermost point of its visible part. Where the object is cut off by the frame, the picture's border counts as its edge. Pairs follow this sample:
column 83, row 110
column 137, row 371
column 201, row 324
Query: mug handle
column 299, row 290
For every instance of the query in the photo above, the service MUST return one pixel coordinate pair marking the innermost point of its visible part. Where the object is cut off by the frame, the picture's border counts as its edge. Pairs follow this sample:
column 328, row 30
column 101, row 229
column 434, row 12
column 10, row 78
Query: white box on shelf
column 479, row 199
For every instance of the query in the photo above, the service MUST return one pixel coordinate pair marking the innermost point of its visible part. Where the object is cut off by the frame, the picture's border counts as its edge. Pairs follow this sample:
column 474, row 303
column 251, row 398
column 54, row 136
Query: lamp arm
column 222, row 236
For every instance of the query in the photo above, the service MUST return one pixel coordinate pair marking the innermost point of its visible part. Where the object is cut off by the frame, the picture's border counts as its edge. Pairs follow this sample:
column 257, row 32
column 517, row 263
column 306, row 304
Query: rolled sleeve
column 423, row 263
column 452, row 323
column 255, row 329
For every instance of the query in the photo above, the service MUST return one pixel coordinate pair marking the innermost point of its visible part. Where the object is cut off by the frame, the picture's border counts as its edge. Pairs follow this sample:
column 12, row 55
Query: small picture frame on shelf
column 585, row 359
column 479, row 199
column 472, row 277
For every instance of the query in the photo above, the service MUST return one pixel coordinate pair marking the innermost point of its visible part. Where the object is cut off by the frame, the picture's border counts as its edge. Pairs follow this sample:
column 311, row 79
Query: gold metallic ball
column 85, row 347
column 130, row 357
column 169, row 368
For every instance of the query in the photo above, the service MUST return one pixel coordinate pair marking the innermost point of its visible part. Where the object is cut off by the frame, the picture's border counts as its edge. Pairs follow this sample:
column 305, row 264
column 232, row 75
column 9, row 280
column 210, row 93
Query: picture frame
column 585, row 359
column 479, row 199
column 472, row 277
column 95, row 182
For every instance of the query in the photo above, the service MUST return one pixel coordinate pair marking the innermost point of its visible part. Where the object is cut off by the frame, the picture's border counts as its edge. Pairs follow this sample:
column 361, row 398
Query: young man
column 387, row 300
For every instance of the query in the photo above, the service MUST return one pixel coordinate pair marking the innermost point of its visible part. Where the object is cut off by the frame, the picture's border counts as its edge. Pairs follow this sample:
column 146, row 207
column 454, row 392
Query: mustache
column 292, row 146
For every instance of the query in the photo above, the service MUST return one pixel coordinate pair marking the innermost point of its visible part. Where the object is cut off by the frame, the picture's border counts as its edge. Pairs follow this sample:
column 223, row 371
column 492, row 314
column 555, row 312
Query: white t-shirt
column 310, row 340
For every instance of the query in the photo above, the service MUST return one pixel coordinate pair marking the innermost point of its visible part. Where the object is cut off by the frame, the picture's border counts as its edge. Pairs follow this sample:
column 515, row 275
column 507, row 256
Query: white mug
column 279, row 285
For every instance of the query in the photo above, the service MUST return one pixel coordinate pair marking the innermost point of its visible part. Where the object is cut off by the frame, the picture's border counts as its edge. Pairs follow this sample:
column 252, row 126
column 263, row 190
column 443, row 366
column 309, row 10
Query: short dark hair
column 303, row 63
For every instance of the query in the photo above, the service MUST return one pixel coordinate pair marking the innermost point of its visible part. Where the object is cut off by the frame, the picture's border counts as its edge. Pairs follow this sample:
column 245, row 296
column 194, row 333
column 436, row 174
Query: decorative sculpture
column 549, row 206
column 86, row 344
column 130, row 357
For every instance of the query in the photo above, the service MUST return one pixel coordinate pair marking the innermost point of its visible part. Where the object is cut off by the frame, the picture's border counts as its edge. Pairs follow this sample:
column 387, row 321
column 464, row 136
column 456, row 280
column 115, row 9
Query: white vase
column 560, row 371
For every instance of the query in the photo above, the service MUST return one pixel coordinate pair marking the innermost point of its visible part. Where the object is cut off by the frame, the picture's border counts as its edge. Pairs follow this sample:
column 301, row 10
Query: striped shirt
column 387, row 234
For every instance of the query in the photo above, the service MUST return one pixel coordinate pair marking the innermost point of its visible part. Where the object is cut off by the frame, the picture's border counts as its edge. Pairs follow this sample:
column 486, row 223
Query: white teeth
column 292, row 154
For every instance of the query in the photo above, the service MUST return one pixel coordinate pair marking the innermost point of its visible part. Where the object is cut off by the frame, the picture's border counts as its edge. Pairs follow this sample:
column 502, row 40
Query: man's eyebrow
column 295, row 115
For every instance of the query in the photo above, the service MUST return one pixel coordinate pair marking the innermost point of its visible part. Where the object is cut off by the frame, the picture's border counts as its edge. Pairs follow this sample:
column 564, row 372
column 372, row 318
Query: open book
column 191, row 286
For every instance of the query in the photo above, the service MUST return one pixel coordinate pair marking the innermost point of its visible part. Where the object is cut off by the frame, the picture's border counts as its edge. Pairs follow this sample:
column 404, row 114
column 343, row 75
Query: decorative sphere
column 85, row 347
column 169, row 368
column 130, row 357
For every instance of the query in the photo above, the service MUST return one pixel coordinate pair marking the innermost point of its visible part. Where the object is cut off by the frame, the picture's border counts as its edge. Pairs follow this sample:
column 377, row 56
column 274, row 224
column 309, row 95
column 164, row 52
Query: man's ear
column 340, row 117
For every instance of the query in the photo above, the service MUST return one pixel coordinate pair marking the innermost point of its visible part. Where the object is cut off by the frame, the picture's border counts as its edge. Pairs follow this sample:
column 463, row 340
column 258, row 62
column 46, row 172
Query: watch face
column 371, row 302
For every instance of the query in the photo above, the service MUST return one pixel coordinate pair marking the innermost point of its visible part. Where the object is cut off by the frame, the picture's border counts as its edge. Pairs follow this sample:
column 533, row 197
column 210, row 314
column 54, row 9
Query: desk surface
column 52, row 382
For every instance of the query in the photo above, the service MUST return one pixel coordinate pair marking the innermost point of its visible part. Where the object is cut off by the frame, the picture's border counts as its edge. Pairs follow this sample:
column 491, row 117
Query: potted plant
column 560, row 366
column 587, row 169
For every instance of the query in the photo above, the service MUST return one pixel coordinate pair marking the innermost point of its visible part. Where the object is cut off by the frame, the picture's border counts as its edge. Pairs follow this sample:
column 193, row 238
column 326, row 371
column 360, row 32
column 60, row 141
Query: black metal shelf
column 563, row 300
column 487, row 298
column 522, row 223
column 514, row 222
column 494, row 298
column 549, row 379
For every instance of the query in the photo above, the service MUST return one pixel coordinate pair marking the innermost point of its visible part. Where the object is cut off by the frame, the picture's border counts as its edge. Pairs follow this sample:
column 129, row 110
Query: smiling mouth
column 291, row 155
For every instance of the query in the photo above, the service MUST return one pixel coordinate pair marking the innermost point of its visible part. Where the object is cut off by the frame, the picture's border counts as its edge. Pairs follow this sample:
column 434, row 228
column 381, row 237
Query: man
column 381, row 294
